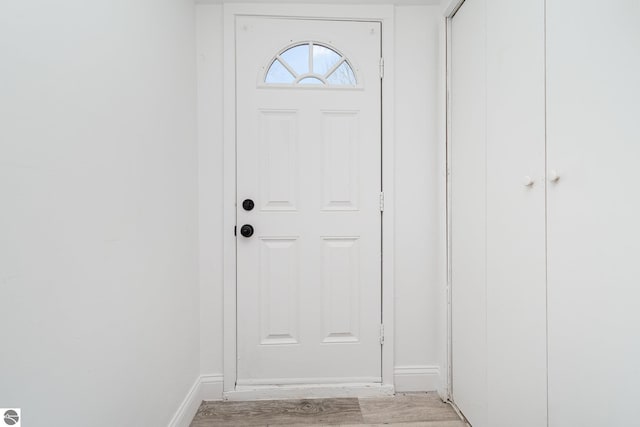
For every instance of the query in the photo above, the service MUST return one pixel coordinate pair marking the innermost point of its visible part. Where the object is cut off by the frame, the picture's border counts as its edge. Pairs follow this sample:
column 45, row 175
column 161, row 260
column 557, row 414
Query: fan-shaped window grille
column 310, row 64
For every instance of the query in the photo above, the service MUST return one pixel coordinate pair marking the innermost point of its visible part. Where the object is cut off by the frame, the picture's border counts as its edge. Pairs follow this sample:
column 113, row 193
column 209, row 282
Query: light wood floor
column 410, row 409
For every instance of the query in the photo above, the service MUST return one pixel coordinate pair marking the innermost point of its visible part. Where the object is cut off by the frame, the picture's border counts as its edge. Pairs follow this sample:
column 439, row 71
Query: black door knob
column 246, row 230
column 248, row 204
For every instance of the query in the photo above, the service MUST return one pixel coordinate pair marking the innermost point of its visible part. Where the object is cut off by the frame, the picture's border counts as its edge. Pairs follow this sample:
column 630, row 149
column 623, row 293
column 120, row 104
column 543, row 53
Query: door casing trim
column 376, row 13
column 448, row 12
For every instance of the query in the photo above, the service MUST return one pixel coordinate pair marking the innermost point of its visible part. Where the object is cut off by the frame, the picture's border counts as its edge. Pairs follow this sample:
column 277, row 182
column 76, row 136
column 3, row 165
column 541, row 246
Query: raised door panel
column 279, row 291
column 341, row 289
column 341, row 172
column 279, row 160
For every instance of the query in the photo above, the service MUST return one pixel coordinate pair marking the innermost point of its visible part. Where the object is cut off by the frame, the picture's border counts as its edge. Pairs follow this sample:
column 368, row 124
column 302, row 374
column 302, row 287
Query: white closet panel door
column 498, row 212
column 593, row 63
column 468, row 211
column 516, row 264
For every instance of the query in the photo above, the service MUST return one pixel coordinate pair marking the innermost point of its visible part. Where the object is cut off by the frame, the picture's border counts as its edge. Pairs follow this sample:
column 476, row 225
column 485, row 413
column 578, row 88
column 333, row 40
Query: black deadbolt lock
column 248, row 204
column 246, row 230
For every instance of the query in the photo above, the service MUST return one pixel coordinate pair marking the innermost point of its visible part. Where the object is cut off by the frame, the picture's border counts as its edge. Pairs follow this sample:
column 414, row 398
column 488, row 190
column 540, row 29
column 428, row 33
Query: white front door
column 308, row 183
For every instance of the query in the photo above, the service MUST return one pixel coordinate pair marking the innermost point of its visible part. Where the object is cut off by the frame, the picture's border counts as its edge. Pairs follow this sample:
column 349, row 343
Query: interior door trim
column 449, row 12
column 377, row 13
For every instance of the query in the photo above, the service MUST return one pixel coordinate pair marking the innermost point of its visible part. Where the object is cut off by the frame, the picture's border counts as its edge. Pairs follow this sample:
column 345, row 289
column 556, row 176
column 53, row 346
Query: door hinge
column 381, row 334
column 235, row 230
column 381, row 68
column 382, row 201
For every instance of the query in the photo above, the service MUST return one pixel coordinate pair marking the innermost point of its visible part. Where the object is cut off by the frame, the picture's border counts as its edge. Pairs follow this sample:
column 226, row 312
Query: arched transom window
column 310, row 63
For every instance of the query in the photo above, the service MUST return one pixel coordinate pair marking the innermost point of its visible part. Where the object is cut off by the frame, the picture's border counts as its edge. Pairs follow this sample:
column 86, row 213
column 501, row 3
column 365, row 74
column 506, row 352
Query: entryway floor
column 404, row 409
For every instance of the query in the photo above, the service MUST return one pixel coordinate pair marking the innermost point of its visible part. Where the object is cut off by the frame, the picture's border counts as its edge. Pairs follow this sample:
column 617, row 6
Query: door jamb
column 379, row 13
column 449, row 10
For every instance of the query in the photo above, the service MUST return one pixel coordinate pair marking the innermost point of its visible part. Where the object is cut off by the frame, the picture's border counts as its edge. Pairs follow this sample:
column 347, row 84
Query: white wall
column 420, row 272
column 210, row 160
column 418, row 290
column 98, row 217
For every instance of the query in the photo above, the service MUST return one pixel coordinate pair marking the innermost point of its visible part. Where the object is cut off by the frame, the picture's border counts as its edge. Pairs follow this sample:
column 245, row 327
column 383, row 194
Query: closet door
column 497, row 201
column 516, row 261
column 467, row 167
column 593, row 156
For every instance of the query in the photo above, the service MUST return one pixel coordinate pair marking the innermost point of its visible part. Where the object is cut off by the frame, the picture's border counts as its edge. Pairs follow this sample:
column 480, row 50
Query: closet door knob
column 528, row 181
column 554, row 176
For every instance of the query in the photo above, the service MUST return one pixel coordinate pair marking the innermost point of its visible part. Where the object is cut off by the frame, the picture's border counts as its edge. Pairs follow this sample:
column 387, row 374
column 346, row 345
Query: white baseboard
column 206, row 387
column 210, row 387
column 308, row 391
column 280, row 382
column 416, row 378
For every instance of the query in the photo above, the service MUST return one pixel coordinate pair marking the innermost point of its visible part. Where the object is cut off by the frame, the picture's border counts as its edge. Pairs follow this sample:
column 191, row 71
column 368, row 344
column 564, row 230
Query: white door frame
column 450, row 8
column 385, row 15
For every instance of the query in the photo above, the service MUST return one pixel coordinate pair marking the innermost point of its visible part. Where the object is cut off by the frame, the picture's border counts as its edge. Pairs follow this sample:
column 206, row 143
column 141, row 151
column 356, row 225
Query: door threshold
column 308, row 391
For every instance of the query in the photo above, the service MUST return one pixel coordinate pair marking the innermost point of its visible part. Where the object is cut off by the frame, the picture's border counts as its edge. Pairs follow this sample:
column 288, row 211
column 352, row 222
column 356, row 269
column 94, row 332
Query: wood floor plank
column 405, row 408
column 402, row 410
column 458, row 423
column 279, row 412
column 413, row 424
